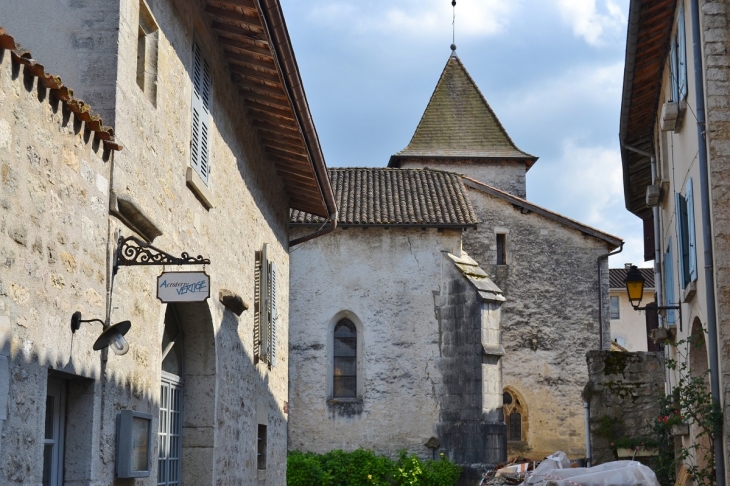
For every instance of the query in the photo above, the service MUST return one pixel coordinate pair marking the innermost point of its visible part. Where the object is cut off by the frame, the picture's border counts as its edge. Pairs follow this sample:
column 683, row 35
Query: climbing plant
column 689, row 403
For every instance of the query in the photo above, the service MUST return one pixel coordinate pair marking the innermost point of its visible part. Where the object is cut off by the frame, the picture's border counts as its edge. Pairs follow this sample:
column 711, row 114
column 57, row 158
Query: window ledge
column 337, row 401
column 689, row 291
column 201, row 191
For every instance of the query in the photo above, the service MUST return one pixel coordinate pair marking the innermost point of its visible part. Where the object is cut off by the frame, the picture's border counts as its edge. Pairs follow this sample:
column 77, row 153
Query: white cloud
column 594, row 25
column 589, row 188
column 583, row 86
column 416, row 18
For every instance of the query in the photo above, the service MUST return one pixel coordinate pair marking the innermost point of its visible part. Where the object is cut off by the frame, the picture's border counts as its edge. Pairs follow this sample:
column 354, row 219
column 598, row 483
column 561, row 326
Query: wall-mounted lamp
column 635, row 289
column 112, row 336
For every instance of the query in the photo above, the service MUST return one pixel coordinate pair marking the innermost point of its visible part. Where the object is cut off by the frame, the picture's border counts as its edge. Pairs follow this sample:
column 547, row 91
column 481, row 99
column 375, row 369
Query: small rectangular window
column 501, row 249
column 261, row 447
column 147, row 35
column 614, row 307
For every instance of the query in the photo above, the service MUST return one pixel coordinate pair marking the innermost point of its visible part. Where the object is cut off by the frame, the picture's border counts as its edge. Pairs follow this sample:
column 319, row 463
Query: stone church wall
column 506, row 175
column 549, row 321
column 387, row 282
column 57, row 244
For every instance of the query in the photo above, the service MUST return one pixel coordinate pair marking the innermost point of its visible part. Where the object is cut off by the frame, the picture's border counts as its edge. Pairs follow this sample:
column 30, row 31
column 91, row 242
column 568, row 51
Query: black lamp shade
column 118, row 329
column 635, row 285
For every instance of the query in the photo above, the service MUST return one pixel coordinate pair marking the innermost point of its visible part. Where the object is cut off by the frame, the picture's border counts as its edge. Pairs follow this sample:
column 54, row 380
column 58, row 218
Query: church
column 446, row 313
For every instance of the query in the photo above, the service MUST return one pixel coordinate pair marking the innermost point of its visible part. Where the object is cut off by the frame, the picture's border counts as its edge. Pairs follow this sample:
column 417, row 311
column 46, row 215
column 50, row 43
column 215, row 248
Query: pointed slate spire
column 459, row 123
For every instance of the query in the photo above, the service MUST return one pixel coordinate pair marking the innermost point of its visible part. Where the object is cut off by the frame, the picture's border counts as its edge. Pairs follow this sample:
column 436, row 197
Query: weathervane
column 453, row 29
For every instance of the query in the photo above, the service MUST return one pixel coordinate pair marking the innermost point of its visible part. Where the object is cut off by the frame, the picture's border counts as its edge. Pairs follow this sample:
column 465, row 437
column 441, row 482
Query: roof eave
column 636, row 167
column 276, row 26
column 395, row 160
column 613, row 241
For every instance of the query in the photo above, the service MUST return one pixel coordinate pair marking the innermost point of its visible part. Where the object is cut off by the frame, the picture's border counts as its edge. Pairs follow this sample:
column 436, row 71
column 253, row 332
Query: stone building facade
column 191, row 166
column 545, row 266
column 675, row 138
column 552, row 270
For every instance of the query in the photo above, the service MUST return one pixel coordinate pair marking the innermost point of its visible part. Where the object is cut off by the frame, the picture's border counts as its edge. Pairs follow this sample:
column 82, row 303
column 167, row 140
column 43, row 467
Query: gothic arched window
column 344, row 371
column 515, row 416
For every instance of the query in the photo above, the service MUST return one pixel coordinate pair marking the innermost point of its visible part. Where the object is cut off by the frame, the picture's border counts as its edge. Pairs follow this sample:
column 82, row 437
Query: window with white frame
column 614, row 307
column 266, row 315
column 171, row 398
column 686, row 238
column 678, row 59
column 199, row 139
column 669, row 283
column 53, row 440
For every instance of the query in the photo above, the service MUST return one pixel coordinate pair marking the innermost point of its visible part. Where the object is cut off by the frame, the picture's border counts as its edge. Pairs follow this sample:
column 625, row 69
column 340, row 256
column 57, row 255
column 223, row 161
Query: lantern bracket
column 133, row 251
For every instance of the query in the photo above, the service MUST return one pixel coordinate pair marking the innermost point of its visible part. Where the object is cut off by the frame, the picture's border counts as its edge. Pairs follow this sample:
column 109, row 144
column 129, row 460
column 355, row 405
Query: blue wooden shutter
column 691, row 236
column 681, row 55
column 669, row 283
column 199, row 139
column 682, row 239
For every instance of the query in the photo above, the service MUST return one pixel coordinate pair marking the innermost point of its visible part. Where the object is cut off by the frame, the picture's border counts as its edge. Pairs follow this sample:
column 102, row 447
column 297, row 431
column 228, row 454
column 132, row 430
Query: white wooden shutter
column 264, row 306
column 257, row 309
column 199, row 139
column 682, row 239
column 691, row 236
column 669, row 283
column 272, row 315
column 681, row 54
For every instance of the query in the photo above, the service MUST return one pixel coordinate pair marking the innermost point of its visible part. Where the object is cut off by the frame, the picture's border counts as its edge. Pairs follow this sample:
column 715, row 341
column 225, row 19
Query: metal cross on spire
column 453, row 28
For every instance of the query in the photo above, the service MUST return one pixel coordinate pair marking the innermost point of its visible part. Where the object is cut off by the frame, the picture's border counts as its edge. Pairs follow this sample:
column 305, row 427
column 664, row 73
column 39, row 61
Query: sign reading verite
column 183, row 286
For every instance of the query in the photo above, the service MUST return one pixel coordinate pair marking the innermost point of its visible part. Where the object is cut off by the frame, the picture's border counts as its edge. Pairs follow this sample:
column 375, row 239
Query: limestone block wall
column 549, row 321
column 60, row 240
column 715, row 17
column 471, row 426
column 507, row 175
column 250, row 209
column 387, row 281
column 77, row 39
column 54, row 188
column 624, row 391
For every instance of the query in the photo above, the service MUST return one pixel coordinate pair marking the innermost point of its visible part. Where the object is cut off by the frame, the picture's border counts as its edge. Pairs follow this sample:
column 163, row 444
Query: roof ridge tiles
column 21, row 55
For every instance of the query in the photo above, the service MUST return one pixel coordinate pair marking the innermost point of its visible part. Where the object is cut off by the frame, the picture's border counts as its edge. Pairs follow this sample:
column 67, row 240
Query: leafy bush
column 364, row 468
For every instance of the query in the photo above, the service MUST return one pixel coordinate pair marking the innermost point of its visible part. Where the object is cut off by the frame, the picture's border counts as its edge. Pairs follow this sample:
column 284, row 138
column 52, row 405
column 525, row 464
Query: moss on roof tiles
column 458, row 122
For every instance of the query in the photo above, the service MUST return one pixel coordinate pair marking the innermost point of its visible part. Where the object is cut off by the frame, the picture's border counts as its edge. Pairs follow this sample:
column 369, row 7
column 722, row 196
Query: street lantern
column 635, row 286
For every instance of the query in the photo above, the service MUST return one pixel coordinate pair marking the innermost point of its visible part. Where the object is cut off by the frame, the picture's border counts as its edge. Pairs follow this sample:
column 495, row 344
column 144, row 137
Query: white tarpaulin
column 556, row 471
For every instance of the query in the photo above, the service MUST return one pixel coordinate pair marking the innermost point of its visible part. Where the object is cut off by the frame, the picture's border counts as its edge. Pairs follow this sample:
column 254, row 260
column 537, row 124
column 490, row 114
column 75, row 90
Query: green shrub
column 364, row 468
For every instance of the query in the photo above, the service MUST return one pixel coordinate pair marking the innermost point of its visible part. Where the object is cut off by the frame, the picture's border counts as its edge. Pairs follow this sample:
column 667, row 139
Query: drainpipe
column 600, row 294
column 657, row 233
column 589, row 452
column 707, row 235
column 332, row 220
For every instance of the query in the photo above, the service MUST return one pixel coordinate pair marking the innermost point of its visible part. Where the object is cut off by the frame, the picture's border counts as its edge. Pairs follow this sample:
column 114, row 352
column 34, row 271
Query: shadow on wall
column 208, row 414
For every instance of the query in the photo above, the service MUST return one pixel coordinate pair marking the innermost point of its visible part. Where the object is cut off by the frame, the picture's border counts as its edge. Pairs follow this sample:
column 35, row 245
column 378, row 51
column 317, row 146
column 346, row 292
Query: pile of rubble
column 558, row 470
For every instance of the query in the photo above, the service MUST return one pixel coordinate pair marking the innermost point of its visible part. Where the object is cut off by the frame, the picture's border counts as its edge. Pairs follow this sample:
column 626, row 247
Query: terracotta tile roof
column 458, row 122
column 59, row 90
column 617, row 278
column 397, row 197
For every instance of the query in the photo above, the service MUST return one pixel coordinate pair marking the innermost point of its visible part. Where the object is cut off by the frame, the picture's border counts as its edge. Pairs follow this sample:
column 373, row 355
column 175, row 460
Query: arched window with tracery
column 515, row 416
column 344, row 370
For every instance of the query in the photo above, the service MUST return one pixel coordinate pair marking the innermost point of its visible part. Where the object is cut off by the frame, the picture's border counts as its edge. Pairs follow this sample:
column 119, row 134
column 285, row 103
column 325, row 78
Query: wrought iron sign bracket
column 133, row 251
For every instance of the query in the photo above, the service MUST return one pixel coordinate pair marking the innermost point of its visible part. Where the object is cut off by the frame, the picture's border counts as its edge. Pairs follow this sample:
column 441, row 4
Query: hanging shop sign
column 183, row 287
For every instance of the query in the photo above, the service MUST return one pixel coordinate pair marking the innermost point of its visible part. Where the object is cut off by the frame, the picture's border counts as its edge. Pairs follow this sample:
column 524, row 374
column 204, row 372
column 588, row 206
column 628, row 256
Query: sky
column 552, row 71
